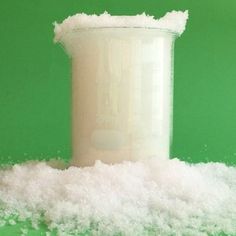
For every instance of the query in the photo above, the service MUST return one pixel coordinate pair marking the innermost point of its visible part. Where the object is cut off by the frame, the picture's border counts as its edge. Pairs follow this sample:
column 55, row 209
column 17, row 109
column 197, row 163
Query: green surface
column 20, row 227
column 35, row 79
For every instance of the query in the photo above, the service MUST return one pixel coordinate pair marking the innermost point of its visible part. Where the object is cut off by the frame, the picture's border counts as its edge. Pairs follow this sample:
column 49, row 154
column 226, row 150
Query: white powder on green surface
column 154, row 197
column 173, row 21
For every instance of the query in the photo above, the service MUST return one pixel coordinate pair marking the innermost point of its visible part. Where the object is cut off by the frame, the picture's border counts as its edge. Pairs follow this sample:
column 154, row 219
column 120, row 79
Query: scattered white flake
column 24, row 231
column 12, row 222
column 2, row 222
column 48, row 234
column 173, row 21
column 154, row 197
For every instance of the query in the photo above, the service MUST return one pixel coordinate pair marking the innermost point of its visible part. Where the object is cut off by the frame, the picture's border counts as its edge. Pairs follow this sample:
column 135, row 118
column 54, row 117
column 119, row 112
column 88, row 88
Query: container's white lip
column 84, row 29
column 125, row 27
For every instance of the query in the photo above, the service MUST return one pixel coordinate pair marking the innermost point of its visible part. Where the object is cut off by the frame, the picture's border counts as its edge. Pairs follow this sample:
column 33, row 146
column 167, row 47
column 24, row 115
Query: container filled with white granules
column 122, row 82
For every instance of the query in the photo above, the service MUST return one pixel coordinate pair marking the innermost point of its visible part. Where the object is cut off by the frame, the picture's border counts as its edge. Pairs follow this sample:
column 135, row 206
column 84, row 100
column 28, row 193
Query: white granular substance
column 173, row 21
column 154, row 197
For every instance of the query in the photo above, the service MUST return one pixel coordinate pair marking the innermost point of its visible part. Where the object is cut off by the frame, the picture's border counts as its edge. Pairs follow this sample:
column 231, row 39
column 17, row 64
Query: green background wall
column 35, row 77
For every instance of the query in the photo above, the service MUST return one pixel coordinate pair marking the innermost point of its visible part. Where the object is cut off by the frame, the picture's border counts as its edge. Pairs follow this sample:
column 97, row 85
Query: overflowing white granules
column 154, row 197
column 173, row 21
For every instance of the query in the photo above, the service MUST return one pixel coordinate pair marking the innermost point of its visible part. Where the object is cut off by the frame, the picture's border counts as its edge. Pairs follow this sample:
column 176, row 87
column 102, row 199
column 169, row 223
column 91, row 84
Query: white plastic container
column 122, row 85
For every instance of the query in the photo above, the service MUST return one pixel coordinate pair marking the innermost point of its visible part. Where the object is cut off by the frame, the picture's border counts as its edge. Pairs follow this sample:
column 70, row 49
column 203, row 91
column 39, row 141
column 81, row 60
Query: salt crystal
column 2, row 223
column 152, row 197
column 174, row 21
column 12, row 222
column 24, row 231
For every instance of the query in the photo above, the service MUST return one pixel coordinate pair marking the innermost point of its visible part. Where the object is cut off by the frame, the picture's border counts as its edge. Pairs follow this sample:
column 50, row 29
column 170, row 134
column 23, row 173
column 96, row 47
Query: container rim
column 126, row 27
column 171, row 32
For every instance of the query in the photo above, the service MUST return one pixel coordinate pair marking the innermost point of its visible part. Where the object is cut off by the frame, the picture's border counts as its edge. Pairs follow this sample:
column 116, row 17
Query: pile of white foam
column 173, row 21
column 154, row 197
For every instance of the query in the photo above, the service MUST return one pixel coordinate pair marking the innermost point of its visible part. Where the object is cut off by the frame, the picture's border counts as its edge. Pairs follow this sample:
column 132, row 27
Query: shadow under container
column 122, row 90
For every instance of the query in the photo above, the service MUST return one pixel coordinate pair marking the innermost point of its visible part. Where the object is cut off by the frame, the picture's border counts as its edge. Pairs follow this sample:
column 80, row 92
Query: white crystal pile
column 154, row 197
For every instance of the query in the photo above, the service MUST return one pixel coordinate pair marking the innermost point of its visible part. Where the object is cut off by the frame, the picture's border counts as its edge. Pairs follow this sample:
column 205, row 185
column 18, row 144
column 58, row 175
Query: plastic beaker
column 121, row 93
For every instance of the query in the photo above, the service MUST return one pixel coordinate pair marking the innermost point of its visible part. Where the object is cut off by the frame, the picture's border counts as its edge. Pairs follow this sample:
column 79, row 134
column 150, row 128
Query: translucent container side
column 122, row 94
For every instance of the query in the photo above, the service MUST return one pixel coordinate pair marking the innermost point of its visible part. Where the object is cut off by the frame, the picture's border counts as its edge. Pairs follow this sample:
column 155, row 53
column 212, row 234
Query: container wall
column 122, row 94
